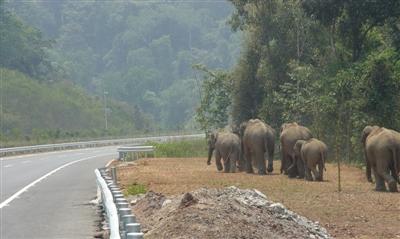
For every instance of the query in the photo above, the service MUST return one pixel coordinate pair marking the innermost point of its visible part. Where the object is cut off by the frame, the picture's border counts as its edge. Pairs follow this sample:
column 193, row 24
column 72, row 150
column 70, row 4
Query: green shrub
column 135, row 189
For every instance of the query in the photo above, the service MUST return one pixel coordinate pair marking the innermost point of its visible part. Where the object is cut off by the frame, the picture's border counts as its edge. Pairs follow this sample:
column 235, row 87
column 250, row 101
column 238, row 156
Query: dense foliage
column 139, row 52
column 213, row 112
column 332, row 65
column 22, row 47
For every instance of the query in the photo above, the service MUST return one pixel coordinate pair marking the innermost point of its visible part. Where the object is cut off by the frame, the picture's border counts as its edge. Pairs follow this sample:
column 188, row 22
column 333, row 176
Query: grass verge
column 181, row 149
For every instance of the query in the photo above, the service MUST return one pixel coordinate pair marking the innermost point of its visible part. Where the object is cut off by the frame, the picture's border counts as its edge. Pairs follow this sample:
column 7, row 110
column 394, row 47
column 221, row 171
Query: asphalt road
column 47, row 195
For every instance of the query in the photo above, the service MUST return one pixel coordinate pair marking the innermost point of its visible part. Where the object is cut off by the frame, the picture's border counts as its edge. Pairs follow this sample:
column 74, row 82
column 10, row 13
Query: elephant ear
column 283, row 126
column 367, row 130
column 242, row 127
column 212, row 138
column 235, row 129
column 297, row 146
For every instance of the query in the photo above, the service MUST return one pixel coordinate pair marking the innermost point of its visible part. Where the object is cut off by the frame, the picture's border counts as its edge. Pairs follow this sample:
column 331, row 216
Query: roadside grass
column 135, row 189
column 356, row 212
column 180, row 149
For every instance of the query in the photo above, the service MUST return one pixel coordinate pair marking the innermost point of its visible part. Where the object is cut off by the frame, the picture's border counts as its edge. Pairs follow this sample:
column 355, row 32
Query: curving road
column 47, row 195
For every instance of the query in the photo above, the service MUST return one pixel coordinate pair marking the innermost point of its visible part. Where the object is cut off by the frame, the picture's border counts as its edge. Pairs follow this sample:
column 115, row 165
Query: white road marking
column 27, row 155
column 106, row 148
column 17, row 194
column 26, row 161
column 8, row 166
column 109, row 163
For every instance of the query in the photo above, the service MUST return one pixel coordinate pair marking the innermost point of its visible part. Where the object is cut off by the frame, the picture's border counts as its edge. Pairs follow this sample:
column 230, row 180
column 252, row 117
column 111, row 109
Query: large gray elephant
column 312, row 152
column 290, row 133
column 382, row 154
column 258, row 145
column 226, row 146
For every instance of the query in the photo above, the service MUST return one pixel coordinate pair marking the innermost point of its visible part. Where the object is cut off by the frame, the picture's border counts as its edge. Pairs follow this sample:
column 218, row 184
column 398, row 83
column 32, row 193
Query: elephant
column 258, row 145
column 227, row 146
column 367, row 130
column 382, row 154
column 312, row 152
column 290, row 133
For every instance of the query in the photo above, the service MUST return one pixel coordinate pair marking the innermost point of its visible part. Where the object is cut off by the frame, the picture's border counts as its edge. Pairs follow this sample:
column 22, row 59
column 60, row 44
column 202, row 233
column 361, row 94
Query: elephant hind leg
column 384, row 169
column 379, row 182
column 308, row 175
column 317, row 174
column 249, row 166
column 232, row 163
column 393, row 186
column 218, row 161
column 227, row 165
column 241, row 162
column 259, row 156
column 292, row 170
column 300, row 168
column 392, row 183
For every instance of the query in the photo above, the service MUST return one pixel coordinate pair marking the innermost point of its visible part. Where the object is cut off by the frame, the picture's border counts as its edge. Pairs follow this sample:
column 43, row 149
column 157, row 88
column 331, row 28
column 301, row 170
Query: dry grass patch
column 356, row 212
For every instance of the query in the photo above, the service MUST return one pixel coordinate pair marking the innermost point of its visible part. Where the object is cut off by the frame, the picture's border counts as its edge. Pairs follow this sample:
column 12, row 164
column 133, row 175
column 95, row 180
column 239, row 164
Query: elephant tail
column 269, row 146
column 396, row 160
column 323, row 158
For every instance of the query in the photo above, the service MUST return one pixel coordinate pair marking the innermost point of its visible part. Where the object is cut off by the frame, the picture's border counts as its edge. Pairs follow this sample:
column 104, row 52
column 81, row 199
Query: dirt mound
column 221, row 213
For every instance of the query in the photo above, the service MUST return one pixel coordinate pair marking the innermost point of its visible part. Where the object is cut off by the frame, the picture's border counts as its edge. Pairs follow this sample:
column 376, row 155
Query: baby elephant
column 226, row 146
column 312, row 152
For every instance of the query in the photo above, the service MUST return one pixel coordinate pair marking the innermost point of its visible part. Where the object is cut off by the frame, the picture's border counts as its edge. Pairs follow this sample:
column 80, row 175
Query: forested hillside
column 37, row 112
column 331, row 65
column 138, row 52
column 39, row 106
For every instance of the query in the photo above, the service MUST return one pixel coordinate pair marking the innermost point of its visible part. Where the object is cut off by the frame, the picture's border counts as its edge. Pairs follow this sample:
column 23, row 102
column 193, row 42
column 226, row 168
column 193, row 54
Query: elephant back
column 294, row 133
column 315, row 145
column 228, row 138
column 257, row 129
column 259, row 134
column 383, row 137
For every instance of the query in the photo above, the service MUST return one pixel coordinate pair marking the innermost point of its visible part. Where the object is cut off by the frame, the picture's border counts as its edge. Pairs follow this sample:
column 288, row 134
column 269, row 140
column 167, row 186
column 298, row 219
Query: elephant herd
column 251, row 145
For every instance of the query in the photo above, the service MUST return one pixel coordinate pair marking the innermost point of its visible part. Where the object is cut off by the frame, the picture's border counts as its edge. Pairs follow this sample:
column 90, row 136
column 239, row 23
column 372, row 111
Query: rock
column 277, row 208
column 166, row 202
column 188, row 200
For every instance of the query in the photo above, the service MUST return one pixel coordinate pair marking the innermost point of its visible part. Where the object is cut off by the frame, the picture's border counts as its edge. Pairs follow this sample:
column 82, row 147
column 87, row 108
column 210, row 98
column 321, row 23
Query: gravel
column 220, row 213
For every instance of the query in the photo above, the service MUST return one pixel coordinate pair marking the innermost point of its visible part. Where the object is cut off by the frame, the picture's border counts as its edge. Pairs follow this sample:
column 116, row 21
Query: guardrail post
column 132, row 227
column 114, row 174
column 134, row 235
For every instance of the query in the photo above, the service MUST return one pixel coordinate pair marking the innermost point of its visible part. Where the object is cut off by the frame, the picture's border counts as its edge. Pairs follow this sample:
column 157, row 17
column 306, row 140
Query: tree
column 353, row 19
column 214, row 110
column 22, row 46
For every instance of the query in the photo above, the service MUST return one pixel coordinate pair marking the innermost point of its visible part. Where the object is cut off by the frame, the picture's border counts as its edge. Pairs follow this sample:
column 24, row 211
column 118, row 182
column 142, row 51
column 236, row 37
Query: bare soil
column 356, row 212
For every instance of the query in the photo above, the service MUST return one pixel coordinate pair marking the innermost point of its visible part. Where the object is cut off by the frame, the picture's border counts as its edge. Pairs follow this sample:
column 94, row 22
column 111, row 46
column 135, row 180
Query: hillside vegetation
column 140, row 52
column 35, row 112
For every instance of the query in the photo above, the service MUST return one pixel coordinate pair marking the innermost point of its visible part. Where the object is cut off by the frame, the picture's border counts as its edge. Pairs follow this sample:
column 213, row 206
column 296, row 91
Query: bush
column 135, row 189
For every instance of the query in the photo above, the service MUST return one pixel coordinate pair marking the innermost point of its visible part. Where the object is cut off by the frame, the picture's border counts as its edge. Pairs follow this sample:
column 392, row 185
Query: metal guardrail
column 124, row 150
column 122, row 223
column 108, row 205
column 88, row 144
